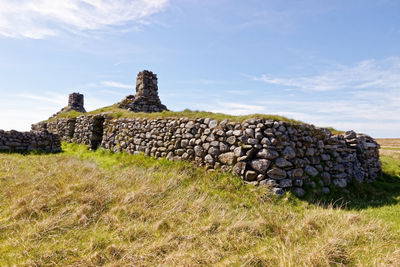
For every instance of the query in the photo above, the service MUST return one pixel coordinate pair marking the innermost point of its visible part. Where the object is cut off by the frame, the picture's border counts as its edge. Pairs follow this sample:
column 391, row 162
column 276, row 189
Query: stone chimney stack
column 75, row 102
column 146, row 98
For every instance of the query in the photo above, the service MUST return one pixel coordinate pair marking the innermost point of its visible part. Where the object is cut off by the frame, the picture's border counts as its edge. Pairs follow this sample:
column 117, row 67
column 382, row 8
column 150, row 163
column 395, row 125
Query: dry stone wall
column 262, row 152
column 13, row 141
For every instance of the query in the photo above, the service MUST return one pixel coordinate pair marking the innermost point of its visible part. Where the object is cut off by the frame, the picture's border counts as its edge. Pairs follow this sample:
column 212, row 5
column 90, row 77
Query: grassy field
column 82, row 208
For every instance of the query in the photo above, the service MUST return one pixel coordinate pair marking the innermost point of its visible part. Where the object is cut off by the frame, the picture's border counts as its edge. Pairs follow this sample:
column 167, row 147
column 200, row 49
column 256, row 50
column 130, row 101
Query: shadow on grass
column 25, row 153
column 382, row 192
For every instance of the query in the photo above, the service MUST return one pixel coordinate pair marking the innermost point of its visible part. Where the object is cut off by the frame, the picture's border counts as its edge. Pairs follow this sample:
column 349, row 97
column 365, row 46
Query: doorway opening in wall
column 97, row 134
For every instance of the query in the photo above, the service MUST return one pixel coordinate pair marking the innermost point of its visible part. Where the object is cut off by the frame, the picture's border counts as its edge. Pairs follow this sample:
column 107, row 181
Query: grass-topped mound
column 83, row 208
column 115, row 112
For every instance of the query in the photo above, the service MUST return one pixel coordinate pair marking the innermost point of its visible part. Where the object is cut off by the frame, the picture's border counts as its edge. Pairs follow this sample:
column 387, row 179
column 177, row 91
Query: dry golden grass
column 83, row 208
column 389, row 142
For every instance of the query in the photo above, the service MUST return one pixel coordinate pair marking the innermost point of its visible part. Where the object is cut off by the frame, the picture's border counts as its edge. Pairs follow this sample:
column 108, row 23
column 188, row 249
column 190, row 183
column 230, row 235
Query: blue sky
column 329, row 63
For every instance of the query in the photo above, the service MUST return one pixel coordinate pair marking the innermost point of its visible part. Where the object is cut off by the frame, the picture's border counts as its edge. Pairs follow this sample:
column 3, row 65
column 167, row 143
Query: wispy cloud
column 56, row 99
column 234, row 108
column 366, row 74
column 117, row 85
column 38, row 19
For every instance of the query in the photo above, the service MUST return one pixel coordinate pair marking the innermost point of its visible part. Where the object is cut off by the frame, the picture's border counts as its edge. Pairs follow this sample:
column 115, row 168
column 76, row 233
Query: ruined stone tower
column 75, row 102
column 146, row 98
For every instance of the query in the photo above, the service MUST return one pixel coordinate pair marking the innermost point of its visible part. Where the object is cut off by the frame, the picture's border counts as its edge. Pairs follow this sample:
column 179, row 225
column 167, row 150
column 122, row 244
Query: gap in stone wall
column 71, row 128
column 97, row 134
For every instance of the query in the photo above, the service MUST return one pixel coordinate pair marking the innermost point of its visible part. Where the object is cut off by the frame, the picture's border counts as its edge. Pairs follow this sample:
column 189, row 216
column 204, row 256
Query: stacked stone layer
column 146, row 98
column 262, row 152
column 13, row 141
column 75, row 103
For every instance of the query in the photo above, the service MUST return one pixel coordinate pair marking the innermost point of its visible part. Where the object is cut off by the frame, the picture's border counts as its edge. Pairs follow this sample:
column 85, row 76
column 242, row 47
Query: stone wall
column 262, row 152
column 13, row 141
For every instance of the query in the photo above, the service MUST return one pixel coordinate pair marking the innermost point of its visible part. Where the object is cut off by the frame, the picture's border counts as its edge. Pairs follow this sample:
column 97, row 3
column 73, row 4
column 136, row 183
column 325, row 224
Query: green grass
column 117, row 113
column 83, row 208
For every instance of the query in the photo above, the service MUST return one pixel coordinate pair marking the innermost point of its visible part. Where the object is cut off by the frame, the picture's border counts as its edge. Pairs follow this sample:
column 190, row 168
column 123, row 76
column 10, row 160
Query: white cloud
column 117, row 85
column 234, row 108
column 364, row 75
column 38, row 19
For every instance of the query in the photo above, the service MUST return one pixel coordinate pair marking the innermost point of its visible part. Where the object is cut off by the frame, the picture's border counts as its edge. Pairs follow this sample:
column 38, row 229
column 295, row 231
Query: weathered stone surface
column 260, row 165
column 239, row 168
column 298, row 173
column 227, row 158
column 267, row 154
column 289, row 153
column 311, row 171
column 283, row 163
column 341, row 183
column 278, row 191
column 298, row 191
column 285, row 183
column 250, row 176
column 269, row 183
column 276, row 173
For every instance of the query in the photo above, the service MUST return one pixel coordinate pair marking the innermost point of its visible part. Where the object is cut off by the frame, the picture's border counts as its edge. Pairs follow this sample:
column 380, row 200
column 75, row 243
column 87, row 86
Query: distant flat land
column 389, row 146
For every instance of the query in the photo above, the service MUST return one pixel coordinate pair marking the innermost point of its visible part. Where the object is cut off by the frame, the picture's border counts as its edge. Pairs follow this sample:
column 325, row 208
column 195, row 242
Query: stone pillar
column 75, row 102
column 146, row 98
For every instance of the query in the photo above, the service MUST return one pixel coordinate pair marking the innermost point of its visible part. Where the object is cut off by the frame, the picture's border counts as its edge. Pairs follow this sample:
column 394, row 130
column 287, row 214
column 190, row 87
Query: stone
column 299, row 192
column 250, row 176
column 283, row 163
column 310, row 152
column 237, row 133
column 311, row 171
column 269, row 183
column 214, row 151
column 267, row 154
column 298, row 182
column 260, row 165
column 326, row 178
column 276, row 173
column 209, row 159
column 227, row 158
column 198, row 151
column 341, row 183
column 252, row 141
column 278, row 191
column 326, row 190
column 239, row 168
column 213, row 124
column 238, row 152
column 298, row 173
column 231, row 140
column 285, row 183
column 289, row 153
